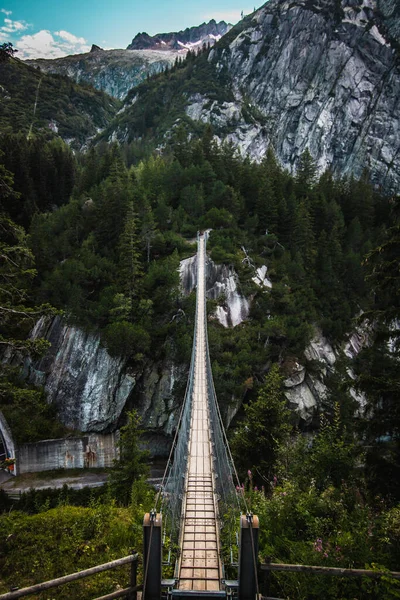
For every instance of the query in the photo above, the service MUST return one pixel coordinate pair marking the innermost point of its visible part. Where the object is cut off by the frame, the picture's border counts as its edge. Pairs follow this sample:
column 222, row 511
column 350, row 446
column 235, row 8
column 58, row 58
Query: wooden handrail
column 326, row 570
column 121, row 593
column 46, row 585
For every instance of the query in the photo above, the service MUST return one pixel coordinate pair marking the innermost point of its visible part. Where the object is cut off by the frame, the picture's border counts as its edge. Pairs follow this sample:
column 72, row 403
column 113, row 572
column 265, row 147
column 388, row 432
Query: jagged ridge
column 191, row 36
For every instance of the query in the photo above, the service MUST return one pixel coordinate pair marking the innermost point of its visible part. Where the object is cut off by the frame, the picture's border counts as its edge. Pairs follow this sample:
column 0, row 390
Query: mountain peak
column 178, row 40
column 96, row 48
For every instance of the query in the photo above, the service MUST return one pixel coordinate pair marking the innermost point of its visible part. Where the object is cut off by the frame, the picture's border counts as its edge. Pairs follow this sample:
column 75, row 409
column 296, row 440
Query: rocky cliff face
column 89, row 387
column 316, row 74
column 390, row 11
column 307, row 392
column 112, row 71
column 221, row 282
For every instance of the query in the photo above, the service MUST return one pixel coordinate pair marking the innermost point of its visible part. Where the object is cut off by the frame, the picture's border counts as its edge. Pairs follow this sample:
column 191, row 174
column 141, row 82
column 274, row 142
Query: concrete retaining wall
column 89, row 451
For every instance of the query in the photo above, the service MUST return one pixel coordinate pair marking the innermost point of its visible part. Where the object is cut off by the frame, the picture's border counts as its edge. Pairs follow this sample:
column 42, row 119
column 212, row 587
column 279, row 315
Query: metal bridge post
column 152, row 556
column 248, row 554
column 133, row 578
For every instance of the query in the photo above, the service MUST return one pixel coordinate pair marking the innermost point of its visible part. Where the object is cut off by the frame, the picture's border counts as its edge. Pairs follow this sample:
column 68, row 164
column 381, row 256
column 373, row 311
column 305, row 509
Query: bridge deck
column 200, row 565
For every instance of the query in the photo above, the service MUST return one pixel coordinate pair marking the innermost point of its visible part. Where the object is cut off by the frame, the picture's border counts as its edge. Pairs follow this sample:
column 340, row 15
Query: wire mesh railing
column 226, row 477
column 170, row 496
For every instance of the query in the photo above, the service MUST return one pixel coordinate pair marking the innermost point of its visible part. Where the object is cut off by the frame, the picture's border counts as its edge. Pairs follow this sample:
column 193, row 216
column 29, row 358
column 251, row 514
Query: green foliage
column 65, row 540
column 132, row 462
column 377, row 365
column 126, row 339
column 264, row 429
column 7, row 51
column 77, row 110
column 17, row 314
column 44, row 174
column 29, row 415
column 316, row 512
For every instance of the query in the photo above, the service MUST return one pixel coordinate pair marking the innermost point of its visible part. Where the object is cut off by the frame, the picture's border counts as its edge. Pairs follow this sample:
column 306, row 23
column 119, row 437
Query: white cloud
column 69, row 37
column 6, row 12
column 45, row 44
column 14, row 26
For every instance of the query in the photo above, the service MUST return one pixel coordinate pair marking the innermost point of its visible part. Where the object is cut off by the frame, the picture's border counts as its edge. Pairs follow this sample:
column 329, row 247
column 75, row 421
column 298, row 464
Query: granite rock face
column 221, row 281
column 88, row 386
column 112, row 71
column 91, row 389
column 390, row 10
column 316, row 74
column 307, row 392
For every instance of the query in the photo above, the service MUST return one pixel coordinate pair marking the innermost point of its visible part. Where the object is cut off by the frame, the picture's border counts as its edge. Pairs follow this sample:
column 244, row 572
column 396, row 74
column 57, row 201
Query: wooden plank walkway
column 200, row 565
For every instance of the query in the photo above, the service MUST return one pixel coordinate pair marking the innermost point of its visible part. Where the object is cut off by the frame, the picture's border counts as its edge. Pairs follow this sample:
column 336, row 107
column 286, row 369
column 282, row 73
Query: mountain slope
column 114, row 72
column 117, row 71
column 295, row 75
column 33, row 101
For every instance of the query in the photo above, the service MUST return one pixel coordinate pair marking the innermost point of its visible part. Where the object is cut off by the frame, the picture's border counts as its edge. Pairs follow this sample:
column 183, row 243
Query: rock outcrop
column 221, row 282
column 88, row 386
column 307, row 392
column 91, row 389
column 112, row 71
column 316, row 74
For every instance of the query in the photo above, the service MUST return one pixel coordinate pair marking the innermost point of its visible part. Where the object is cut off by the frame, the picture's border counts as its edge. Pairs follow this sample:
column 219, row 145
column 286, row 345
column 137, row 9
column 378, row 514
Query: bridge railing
column 130, row 592
column 223, row 461
column 172, row 487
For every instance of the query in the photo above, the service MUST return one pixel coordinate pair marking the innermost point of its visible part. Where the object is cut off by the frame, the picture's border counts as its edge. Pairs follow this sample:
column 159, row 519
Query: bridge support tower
column 248, row 557
column 152, row 556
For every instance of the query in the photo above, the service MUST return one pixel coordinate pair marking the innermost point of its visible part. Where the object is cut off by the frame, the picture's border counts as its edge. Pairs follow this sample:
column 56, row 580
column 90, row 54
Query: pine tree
column 265, row 428
column 130, row 268
column 266, row 207
column 147, row 227
column 132, row 462
column 306, row 174
column 378, row 365
column 17, row 313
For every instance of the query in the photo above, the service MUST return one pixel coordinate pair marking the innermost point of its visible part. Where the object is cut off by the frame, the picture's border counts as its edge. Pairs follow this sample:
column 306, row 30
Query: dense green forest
column 32, row 101
column 99, row 236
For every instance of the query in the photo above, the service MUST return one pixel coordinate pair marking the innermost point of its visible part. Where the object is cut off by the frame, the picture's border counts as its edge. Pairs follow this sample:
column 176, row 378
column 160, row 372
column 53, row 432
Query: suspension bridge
column 200, row 524
column 200, row 485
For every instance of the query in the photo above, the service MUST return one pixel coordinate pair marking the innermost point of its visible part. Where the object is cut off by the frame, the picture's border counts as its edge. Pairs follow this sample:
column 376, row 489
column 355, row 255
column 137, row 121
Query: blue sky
column 53, row 28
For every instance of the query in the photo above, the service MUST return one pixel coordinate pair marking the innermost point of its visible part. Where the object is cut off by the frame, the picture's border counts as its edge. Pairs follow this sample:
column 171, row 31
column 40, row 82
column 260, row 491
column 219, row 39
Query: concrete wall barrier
column 89, row 451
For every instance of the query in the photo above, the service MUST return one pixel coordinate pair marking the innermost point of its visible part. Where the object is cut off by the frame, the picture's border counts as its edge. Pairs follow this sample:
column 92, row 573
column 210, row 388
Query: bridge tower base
column 152, row 556
column 248, row 557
